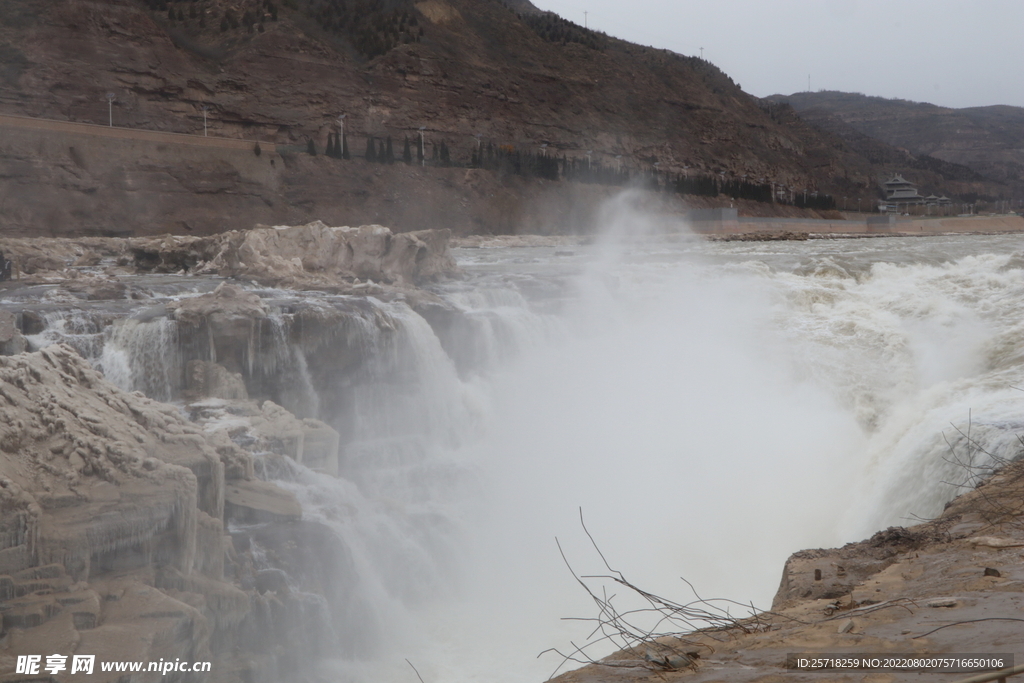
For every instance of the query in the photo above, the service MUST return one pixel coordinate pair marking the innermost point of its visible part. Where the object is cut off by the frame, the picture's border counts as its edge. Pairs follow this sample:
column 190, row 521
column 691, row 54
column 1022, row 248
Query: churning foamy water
column 710, row 407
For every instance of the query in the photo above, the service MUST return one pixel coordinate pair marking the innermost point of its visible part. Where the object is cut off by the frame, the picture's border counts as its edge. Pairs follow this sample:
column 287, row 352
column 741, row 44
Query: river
column 707, row 408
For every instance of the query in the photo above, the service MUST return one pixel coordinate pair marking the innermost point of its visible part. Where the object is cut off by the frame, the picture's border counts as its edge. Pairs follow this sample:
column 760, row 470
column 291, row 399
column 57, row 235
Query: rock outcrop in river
column 135, row 530
column 112, row 526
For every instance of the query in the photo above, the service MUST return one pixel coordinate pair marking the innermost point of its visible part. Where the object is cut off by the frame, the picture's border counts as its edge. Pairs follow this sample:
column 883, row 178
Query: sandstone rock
column 226, row 303
column 89, row 258
column 312, row 255
column 112, row 539
column 11, row 339
column 94, row 288
column 225, row 320
column 942, row 602
column 204, row 379
column 310, row 442
column 39, row 256
column 253, row 502
column 995, row 542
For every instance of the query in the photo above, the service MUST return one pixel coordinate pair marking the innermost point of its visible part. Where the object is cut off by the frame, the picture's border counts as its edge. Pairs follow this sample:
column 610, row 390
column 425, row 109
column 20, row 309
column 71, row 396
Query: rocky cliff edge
column 113, row 518
column 951, row 585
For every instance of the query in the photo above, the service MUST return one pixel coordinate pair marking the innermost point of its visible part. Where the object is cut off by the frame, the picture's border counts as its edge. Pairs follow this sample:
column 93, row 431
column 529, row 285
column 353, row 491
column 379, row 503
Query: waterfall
column 82, row 330
column 711, row 407
column 143, row 356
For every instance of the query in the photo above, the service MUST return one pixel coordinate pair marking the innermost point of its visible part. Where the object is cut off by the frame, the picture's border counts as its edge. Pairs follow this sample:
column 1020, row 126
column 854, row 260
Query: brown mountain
column 464, row 74
column 989, row 140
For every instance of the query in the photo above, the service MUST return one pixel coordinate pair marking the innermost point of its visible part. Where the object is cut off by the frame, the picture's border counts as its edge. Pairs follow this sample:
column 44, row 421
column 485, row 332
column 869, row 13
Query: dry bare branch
column 660, row 631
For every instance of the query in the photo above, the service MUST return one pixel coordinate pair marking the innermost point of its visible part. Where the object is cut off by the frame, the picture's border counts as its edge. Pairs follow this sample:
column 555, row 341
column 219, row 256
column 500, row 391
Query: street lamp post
column 110, row 108
column 342, row 145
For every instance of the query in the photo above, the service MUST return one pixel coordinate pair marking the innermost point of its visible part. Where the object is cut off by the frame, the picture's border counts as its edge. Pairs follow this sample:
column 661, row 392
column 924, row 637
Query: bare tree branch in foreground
column 657, row 630
column 994, row 510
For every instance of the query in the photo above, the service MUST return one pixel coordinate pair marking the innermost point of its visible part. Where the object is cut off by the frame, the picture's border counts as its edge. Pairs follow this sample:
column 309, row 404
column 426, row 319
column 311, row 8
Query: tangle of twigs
column 995, row 510
column 657, row 630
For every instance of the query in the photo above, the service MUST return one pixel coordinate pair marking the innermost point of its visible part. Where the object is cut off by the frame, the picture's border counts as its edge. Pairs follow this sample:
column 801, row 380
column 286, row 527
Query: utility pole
column 423, row 151
column 808, row 82
column 110, row 108
column 585, row 24
column 205, row 109
column 341, row 124
column 702, row 53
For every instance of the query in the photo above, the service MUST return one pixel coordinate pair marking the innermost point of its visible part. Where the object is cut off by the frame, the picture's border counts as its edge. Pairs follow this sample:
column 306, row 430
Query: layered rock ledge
column 136, row 530
column 311, row 256
column 114, row 516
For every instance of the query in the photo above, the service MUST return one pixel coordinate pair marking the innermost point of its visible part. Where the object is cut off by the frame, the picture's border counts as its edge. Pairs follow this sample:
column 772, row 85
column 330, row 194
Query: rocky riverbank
column 951, row 585
column 137, row 530
column 115, row 516
column 312, row 256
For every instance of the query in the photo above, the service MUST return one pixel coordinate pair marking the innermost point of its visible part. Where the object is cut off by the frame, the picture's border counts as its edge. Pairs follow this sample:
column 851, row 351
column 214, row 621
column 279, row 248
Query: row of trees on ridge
column 507, row 159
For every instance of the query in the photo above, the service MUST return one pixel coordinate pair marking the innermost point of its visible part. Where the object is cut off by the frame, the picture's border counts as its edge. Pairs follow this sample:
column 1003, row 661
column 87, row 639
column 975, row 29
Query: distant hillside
column 467, row 76
column 989, row 140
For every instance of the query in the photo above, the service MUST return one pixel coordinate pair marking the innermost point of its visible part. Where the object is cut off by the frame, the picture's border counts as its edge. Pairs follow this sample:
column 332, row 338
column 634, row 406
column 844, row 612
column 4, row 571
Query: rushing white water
column 711, row 408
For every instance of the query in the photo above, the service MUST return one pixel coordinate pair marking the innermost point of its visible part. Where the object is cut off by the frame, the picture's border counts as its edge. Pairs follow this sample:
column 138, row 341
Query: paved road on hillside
column 122, row 133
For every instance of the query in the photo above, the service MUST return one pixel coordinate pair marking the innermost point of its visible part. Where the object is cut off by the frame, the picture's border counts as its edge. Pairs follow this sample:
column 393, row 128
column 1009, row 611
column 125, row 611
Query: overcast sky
column 953, row 53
